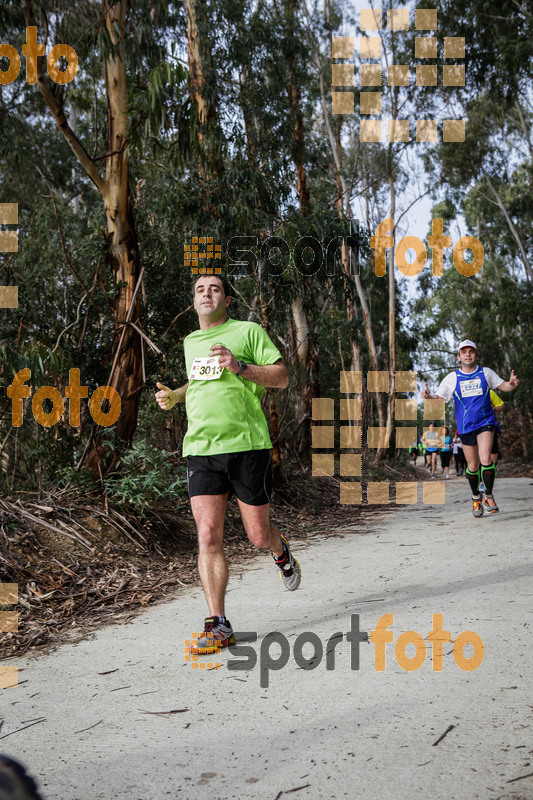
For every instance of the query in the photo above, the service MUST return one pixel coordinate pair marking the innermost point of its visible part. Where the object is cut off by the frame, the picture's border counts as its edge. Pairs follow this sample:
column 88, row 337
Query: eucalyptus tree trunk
column 392, row 320
column 203, row 94
column 122, row 251
column 345, row 210
column 392, row 281
column 302, row 362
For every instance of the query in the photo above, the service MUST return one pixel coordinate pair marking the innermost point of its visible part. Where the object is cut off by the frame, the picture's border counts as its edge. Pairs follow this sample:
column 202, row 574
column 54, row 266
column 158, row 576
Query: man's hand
column 512, row 383
column 425, row 393
column 225, row 358
column 165, row 397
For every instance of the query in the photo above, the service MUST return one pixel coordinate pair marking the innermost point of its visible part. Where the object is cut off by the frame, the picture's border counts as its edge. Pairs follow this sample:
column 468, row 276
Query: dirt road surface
column 309, row 733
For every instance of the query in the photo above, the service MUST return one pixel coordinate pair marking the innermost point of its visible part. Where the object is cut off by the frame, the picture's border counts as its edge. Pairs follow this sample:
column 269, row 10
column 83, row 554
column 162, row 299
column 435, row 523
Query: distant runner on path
column 445, row 444
column 430, row 440
column 470, row 387
column 458, row 455
column 413, row 450
column 227, row 443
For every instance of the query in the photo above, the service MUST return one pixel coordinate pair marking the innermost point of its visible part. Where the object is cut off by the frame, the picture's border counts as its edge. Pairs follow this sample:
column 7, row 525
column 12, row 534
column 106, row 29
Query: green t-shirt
column 225, row 415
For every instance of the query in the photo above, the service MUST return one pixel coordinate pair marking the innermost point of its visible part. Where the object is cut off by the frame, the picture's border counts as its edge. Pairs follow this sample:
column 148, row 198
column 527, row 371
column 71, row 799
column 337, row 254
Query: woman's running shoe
column 477, row 506
column 289, row 569
column 489, row 504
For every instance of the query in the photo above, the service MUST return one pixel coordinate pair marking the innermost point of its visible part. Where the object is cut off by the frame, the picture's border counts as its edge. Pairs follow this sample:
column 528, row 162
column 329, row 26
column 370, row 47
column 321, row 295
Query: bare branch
column 57, row 112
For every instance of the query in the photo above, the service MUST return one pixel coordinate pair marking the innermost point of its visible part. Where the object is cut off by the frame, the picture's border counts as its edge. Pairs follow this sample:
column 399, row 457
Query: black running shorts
column 470, row 438
column 445, row 458
column 247, row 475
column 495, row 444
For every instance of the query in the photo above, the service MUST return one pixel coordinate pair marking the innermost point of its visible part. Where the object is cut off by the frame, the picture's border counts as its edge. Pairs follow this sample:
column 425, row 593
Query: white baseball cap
column 467, row 343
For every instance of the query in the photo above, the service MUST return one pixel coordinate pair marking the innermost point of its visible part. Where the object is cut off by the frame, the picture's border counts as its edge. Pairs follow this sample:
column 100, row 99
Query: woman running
column 445, row 444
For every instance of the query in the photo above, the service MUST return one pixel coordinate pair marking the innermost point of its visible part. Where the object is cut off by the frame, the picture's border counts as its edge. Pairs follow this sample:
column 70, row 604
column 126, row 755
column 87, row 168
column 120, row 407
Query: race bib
column 471, row 388
column 205, row 369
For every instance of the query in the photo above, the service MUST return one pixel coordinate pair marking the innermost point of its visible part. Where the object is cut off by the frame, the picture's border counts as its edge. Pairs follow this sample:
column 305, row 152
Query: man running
column 470, row 387
column 227, row 443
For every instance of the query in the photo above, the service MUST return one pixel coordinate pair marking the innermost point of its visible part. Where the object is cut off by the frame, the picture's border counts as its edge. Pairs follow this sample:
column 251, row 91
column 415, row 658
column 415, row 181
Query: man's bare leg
column 259, row 529
column 209, row 511
column 265, row 535
column 479, row 456
column 479, row 453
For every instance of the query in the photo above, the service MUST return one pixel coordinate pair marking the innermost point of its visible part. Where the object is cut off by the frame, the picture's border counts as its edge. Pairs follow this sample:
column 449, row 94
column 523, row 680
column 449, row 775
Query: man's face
column 209, row 300
column 467, row 356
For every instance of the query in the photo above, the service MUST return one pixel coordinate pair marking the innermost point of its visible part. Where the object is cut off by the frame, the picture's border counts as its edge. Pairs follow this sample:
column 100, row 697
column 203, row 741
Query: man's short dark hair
column 225, row 285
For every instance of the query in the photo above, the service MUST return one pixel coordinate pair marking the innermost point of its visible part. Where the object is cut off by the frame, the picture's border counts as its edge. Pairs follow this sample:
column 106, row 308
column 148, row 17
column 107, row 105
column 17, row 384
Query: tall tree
column 114, row 188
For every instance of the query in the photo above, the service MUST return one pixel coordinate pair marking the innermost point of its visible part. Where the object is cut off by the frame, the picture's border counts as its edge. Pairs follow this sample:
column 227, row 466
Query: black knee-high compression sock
column 488, row 474
column 473, row 480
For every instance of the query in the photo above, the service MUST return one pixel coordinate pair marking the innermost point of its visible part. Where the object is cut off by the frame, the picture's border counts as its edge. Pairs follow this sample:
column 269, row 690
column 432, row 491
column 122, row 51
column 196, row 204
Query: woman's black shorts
column 445, row 458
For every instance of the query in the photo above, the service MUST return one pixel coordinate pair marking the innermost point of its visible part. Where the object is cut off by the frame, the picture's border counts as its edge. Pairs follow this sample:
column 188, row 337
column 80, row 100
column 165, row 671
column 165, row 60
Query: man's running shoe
column 289, row 569
column 489, row 504
column 215, row 635
column 477, row 507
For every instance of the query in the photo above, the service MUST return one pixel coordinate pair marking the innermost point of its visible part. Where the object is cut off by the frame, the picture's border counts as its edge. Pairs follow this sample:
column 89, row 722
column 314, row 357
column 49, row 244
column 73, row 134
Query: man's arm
column 444, row 391
column 508, row 386
column 274, row 376
column 167, row 398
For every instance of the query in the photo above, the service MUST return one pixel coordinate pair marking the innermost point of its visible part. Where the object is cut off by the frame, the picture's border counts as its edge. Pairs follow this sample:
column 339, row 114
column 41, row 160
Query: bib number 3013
column 205, row 369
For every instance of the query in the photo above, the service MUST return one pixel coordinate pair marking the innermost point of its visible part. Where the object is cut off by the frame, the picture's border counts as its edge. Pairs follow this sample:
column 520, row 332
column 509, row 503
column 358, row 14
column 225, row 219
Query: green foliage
column 146, row 475
column 255, row 54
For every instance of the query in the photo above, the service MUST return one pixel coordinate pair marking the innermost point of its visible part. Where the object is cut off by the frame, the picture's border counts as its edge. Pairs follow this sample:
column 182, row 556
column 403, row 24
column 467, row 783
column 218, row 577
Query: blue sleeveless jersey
column 473, row 408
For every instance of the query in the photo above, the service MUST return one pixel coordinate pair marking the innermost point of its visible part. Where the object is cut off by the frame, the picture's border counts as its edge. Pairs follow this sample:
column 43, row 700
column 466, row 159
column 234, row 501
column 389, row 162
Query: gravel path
column 309, row 733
